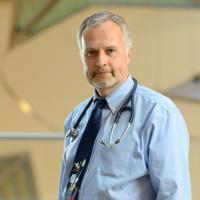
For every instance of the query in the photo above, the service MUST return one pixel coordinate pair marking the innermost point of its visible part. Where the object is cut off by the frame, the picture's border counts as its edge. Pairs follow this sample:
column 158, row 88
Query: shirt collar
column 116, row 97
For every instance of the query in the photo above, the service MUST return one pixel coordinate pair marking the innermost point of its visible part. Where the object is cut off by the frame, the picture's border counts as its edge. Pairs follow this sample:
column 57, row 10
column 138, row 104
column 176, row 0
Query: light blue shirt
column 151, row 162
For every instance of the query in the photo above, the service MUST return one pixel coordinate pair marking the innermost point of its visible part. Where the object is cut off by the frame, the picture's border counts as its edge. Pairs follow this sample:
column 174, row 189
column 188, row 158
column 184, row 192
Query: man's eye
column 90, row 53
column 110, row 51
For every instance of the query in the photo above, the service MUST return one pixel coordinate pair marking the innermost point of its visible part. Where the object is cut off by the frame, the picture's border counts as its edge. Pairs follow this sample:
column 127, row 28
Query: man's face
column 105, row 57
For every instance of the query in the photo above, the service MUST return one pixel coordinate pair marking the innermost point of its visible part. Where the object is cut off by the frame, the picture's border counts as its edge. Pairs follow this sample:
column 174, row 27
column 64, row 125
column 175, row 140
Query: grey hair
column 98, row 19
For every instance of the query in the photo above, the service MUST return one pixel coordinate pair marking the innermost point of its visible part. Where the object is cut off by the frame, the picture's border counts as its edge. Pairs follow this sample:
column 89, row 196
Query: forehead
column 107, row 32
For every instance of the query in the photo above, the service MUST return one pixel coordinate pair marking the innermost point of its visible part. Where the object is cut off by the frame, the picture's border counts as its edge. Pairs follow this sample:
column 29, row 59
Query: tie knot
column 100, row 103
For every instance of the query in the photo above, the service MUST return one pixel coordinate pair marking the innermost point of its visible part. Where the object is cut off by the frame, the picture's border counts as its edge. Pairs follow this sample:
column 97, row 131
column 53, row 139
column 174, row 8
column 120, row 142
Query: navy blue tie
column 84, row 150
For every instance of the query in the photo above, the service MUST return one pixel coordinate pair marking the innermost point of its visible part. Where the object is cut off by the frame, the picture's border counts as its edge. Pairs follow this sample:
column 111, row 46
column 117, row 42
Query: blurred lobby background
column 41, row 79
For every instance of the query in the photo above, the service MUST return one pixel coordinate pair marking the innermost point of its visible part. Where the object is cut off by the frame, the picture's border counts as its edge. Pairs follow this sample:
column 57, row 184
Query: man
column 146, row 161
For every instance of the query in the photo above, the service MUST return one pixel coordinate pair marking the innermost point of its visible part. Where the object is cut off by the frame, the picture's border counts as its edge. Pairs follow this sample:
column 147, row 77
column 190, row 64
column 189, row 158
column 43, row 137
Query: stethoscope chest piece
column 72, row 134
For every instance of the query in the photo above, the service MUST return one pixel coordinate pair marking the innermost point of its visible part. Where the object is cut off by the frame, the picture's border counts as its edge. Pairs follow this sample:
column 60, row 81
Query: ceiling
column 33, row 16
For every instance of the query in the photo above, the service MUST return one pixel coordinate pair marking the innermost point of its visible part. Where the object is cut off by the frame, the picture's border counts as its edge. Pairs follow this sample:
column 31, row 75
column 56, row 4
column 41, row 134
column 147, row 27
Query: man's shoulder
column 75, row 113
column 80, row 107
column 151, row 97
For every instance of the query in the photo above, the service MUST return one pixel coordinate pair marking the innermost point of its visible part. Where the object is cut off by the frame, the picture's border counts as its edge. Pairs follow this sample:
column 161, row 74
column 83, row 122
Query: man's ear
column 129, row 55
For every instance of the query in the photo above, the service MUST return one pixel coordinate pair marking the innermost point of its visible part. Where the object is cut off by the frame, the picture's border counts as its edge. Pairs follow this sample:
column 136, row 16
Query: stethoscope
column 73, row 132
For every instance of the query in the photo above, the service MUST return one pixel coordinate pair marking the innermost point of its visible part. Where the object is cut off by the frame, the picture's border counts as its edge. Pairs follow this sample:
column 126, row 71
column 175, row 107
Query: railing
column 31, row 136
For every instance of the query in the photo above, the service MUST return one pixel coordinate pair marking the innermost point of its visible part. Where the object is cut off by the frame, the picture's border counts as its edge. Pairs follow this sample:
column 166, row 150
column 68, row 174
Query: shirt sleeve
column 168, row 155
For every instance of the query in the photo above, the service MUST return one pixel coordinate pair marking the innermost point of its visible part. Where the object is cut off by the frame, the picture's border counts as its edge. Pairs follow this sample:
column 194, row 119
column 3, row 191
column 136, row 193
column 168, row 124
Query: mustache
column 102, row 70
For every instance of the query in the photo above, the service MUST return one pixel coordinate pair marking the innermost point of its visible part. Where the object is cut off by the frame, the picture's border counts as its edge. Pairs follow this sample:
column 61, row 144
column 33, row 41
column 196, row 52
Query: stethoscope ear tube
column 73, row 132
column 82, row 114
column 132, row 100
column 123, row 108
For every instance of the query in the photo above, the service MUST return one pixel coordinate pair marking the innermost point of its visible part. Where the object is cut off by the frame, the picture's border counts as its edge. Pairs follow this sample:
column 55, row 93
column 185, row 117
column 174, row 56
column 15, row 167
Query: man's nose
column 101, row 59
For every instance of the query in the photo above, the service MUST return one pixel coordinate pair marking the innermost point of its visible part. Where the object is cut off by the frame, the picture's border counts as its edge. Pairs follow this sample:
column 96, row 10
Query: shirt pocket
column 117, row 161
column 126, row 159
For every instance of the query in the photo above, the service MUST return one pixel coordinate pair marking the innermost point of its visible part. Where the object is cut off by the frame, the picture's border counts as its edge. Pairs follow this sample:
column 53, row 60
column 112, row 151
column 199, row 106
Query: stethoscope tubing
column 73, row 132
